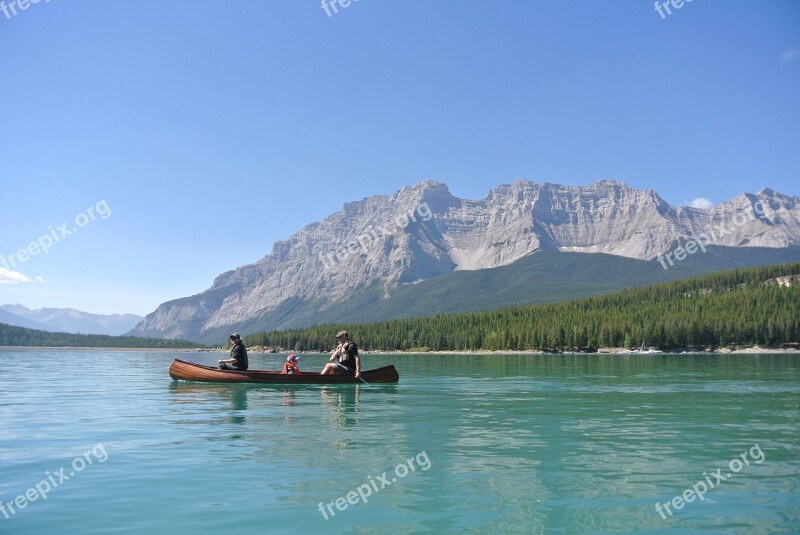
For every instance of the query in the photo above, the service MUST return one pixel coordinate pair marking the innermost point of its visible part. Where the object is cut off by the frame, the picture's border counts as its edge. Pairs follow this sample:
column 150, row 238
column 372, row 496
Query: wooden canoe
column 189, row 371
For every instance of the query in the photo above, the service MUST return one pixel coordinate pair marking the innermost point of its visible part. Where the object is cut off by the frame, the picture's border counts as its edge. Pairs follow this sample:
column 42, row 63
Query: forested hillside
column 20, row 336
column 739, row 307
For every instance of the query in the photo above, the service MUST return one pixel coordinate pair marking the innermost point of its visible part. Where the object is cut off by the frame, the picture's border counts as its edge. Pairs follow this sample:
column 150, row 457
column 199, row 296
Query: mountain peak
column 16, row 309
column 611, row 182
column 427, row 184
column 422, row 231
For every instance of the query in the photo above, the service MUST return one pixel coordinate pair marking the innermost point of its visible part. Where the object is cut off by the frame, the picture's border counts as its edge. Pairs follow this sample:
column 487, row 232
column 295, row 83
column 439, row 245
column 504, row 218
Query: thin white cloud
column 14, row 277
column 790, row 55
column 700, row 202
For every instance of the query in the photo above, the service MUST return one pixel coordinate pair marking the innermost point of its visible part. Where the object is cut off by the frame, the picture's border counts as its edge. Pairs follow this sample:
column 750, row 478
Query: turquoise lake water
column 463, row 444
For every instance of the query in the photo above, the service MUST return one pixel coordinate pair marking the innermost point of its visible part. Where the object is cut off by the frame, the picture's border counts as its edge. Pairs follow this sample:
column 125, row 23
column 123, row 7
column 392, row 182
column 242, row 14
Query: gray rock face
column 423, row 231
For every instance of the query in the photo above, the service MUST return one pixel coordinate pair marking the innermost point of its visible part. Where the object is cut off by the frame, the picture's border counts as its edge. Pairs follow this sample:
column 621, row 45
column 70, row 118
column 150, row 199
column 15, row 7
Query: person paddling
column 344, row 359
column 238, row 357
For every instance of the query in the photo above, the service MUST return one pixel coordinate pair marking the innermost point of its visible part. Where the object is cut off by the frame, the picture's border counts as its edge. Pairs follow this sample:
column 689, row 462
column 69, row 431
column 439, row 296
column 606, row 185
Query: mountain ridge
column 423, row 231
column 539, row 278
column 70, row 320
column 9, row 318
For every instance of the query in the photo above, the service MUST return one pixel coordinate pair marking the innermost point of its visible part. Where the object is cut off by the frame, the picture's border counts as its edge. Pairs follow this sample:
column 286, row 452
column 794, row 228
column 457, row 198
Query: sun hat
column 292, row 358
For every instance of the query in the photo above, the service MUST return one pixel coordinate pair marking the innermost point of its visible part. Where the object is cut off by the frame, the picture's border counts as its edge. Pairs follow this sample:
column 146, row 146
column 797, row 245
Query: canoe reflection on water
column 289, row 395
column 229, row 402
column 238, row 402
column 342, row 403
column 281, row 418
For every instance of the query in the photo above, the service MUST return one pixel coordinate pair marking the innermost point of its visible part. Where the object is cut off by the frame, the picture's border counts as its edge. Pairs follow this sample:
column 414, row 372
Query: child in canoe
column 291, row 364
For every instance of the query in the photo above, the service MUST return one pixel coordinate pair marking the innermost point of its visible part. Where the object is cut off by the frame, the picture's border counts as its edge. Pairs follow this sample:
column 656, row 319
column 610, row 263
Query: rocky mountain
column 9, row 318
column 423, row 231
column 69, row 320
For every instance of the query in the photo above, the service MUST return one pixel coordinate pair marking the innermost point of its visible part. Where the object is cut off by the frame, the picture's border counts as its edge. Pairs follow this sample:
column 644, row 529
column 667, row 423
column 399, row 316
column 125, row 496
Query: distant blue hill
column 9, row 318
column 68, row 320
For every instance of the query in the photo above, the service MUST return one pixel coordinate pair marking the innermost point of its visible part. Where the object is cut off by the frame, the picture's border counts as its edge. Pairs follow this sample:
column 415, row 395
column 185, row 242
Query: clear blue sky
column 213, row 129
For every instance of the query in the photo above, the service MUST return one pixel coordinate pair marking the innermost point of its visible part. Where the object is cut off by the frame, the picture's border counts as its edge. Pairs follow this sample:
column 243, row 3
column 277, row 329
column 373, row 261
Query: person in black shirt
column 238, row 357
column 344, row 359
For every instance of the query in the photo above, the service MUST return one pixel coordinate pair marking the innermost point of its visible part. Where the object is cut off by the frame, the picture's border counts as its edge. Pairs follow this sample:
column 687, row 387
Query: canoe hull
column 181, row 370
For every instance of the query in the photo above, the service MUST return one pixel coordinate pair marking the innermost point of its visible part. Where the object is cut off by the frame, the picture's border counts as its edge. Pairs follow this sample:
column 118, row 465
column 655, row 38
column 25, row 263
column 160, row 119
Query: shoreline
column 603, row 351
column 78, row 348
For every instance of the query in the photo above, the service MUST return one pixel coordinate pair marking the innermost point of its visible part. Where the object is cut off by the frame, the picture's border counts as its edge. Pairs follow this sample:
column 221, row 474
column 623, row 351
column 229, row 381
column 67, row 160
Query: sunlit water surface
column 490, row 444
